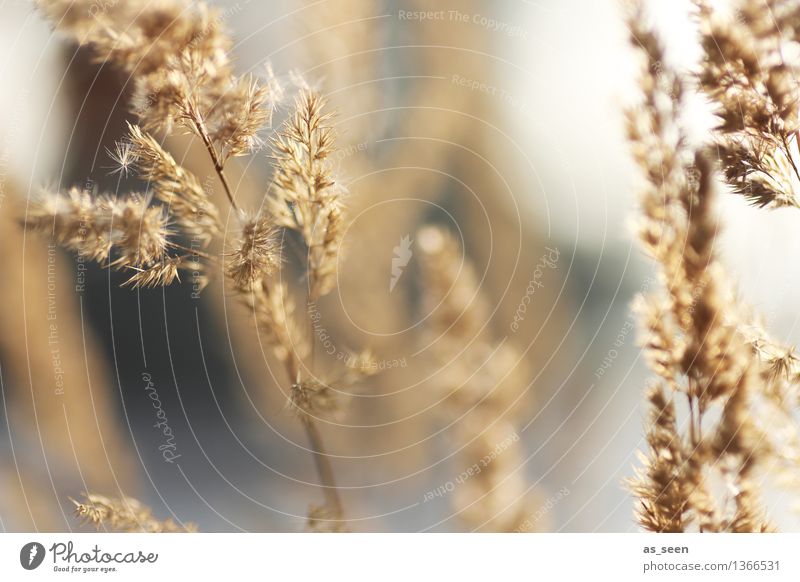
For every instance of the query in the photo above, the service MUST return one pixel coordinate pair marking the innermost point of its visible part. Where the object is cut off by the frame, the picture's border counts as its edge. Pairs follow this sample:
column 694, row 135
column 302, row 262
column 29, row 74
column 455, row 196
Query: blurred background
column 500, row 121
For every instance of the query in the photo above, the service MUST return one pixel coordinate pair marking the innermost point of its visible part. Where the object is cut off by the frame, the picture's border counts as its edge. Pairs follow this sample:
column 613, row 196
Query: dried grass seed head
column 179, row 189
column 748, row 74
column 256, row 254
column 304, row 195
column 136, row 232
column 123, row 514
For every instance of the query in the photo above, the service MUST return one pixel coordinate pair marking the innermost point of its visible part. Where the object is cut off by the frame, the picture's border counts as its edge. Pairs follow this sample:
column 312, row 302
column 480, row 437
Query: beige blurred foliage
column 66, row 427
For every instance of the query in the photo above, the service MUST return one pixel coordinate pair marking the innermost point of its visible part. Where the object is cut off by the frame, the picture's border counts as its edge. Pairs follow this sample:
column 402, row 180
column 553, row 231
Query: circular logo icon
column 31, row 555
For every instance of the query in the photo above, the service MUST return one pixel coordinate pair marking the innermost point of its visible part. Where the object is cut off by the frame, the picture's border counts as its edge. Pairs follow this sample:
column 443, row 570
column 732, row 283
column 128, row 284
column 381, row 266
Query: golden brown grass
column 178, row 57
column 700, row 340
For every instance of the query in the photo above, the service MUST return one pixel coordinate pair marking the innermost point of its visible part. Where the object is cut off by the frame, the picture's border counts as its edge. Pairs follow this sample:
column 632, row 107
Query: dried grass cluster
column 749, row 72
column 177, row 55
column 701, row 341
